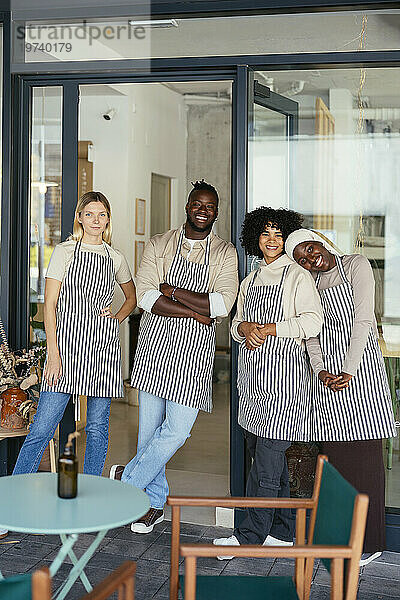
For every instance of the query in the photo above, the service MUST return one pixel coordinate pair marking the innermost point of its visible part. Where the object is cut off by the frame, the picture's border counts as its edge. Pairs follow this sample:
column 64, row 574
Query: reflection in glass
column 1, row 111
column 344, row 177
column 45, row 196
column 215, row 36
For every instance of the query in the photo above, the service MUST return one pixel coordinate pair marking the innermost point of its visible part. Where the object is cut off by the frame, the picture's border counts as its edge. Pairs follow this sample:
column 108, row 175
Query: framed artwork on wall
column 139, row 249
column 140, row 216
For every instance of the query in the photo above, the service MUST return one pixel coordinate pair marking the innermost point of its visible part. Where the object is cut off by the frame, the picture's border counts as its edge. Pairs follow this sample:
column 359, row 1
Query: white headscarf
column 307, row 235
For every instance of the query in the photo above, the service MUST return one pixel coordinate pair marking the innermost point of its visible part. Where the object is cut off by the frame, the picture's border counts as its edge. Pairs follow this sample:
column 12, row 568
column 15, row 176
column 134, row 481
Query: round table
column 29, row 504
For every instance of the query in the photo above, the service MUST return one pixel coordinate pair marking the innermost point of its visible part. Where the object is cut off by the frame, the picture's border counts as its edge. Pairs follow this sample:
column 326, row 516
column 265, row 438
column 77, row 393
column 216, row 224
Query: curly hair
column 255, row 221
column 203, row 185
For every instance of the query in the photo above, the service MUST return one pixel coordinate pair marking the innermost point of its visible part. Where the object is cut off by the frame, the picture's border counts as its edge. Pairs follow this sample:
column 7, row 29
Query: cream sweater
column 302, row 311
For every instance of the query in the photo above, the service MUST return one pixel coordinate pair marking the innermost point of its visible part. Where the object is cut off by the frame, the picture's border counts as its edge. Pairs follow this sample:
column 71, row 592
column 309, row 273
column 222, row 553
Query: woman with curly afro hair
column 278, row 309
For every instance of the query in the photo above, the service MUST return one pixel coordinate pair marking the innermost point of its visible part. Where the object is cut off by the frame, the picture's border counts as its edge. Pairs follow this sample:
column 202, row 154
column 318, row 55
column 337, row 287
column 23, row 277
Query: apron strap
column 253, row 279
column 285, row 271
column 77, row 406
column 180, row 241
column 77, row 247
column 107, row 250
column 208, row 251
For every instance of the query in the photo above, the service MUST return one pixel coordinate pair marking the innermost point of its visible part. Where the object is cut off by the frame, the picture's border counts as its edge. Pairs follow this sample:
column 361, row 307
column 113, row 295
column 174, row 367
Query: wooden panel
column 160, row 211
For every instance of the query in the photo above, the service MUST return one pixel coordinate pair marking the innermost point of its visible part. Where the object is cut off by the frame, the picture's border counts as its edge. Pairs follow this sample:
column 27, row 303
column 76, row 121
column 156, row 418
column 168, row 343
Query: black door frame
column 236, row 69
column 70, row 184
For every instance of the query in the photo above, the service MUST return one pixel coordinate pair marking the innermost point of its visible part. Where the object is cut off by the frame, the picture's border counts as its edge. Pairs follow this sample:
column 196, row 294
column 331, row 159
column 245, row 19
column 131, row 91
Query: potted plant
column 19, row 373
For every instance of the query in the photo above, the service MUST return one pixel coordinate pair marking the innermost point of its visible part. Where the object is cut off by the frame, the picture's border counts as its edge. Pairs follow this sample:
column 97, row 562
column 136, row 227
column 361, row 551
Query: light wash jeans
column 49, row 413
column 164, row 426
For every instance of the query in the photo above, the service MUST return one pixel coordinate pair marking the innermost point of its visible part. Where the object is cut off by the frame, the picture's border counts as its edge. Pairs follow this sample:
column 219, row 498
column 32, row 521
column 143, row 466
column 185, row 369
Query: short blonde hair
column 84, row 200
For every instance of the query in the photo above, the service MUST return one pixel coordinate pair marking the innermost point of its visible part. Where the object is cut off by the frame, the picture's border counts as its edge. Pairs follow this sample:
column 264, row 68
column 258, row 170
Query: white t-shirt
column 63, row 254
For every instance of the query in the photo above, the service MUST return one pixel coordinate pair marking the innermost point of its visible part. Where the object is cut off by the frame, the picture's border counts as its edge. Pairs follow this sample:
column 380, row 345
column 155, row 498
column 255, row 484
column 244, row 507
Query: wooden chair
column 34, row 586
column 37, row 585
column 336, row 535
column 122, row 580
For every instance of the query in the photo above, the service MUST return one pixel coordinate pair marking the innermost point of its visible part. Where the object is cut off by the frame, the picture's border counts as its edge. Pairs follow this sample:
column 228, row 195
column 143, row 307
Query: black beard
column 197, row 228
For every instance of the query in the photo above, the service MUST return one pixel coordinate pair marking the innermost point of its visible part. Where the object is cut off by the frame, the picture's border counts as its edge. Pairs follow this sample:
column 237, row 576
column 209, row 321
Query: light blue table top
column 29, row 503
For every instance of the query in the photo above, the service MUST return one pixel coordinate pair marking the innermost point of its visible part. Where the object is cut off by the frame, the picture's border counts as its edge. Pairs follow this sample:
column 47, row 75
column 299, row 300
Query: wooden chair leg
column 309, row 565
column 337, row 578
column 41, row 584
column 127, row 590
column 300, row 541
column 174, row 573
column 308, row 572
column 190, row 578
column 356, row 543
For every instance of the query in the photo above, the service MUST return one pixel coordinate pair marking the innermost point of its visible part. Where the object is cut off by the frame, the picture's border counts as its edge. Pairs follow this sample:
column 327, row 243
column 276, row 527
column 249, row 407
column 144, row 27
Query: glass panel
column 217, row 36
column 1, row 117
column 45, row 196
column 124, row 157
column 268, row 158
column 344, row 176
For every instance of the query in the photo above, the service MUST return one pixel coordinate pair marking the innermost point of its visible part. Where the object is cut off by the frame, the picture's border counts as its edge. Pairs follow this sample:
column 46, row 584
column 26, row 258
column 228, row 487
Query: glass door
column 273, row 122
column 273, row 128
column 44, row 197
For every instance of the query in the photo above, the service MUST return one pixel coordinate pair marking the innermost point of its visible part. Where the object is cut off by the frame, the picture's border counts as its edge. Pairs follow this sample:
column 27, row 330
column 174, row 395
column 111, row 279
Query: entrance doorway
column 160, row 217
column 330, row 154
column 147, row 142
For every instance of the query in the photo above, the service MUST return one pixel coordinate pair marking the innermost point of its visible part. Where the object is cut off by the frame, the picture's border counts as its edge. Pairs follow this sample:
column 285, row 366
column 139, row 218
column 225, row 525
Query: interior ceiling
column 381, row 86
column 198, row 88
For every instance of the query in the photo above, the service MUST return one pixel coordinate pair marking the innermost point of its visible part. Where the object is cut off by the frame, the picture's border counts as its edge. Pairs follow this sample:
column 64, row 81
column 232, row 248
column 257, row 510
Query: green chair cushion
column 335, row 510
column 243, row 587
column 18, row 587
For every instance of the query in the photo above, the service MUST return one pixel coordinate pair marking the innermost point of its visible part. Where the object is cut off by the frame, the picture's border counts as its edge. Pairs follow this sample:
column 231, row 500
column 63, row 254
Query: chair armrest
column 225, row 502
column 311, row 551
column 110, row 584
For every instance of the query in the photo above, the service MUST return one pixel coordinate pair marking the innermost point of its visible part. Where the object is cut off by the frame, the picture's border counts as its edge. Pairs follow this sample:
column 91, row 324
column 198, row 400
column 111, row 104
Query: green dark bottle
column 68, row 471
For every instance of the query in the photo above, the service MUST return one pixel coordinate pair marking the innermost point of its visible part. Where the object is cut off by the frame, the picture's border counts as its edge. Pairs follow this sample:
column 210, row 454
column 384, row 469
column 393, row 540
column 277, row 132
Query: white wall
column 147, row 134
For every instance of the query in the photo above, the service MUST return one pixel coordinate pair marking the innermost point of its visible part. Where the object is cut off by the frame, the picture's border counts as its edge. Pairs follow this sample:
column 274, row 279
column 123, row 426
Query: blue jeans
column 49, row 413
column 164, row 426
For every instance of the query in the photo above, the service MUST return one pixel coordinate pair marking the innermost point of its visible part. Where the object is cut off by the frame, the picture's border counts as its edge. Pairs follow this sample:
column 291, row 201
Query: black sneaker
column 116, row 472
column 147, row 522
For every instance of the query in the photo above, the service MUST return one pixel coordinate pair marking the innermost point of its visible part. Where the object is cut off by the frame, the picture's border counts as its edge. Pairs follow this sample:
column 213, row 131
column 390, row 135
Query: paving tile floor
column 20, row 553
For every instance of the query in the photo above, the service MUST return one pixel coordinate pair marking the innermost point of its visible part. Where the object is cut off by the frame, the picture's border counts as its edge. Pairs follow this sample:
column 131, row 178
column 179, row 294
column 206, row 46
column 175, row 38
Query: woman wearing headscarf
column 278, row 308
column 351, row 398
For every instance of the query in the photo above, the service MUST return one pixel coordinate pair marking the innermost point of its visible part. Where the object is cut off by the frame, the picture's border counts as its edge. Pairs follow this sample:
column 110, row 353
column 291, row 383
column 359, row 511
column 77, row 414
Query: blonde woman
column 83, row 348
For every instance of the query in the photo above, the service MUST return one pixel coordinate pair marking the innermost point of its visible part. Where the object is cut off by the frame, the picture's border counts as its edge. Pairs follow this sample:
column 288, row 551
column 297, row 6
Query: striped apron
column 89, row 344
column 363, row 411
column 274, row 380
column 175, row 356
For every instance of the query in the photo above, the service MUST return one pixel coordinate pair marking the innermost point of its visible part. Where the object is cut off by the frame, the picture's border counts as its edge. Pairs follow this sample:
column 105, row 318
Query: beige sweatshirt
column 302, row 311
column 159, row 254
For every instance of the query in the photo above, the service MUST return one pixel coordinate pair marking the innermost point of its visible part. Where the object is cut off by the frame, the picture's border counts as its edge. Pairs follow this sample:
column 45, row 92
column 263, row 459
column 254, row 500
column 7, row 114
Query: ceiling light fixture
column 155, row 23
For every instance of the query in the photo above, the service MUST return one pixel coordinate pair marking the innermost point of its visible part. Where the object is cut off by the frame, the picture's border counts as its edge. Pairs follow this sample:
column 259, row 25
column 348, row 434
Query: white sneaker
column 368, row 557
column 270, row 540
column 3, row 533
column 228, row 541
